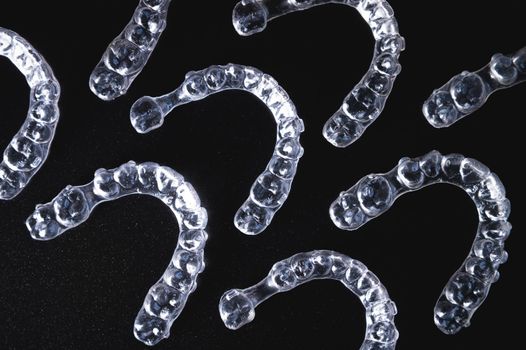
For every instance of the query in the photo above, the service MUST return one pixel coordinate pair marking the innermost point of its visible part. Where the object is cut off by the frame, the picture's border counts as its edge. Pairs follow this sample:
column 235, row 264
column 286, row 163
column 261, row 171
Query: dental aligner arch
column 366, row 101
column 128, row 53
column 465, row 93
column 237, row 306
column 271, row 189
column 167, row 297
column 29, row 148
column 468, row 287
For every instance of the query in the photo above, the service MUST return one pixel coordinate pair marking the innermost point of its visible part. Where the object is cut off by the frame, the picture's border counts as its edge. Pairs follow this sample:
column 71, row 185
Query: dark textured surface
column 83, row 290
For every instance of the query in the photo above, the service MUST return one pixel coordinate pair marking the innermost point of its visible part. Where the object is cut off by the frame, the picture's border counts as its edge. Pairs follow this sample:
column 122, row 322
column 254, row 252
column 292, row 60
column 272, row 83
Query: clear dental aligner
column 467, row 289
column 366, row 101
column 128, row 53
column 29, row 149
column 467, row 92
column 270, row 190
column 237, row 305
column 167, row 297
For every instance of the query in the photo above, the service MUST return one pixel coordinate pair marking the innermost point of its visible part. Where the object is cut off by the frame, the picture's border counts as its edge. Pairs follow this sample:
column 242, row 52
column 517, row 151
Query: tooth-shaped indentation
column 29, row 148
column 167, row 297
column 237, row 306
column 376, row 193
column 272, row 187
column 467, row 92
column 128, row 53
column 368, row 98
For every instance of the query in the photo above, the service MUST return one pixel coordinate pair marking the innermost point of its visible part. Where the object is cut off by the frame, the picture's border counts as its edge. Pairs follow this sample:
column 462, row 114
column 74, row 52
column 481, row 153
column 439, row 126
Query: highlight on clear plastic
column 272, row 187
column 128, row 53
column 167, row 297
column 468, row 287
column 237, row 306
column 467, row 92
column 29, row 148
column 366, row 101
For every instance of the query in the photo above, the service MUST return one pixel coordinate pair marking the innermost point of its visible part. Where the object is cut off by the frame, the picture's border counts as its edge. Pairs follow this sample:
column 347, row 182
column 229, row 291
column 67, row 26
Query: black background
column 83, row 290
